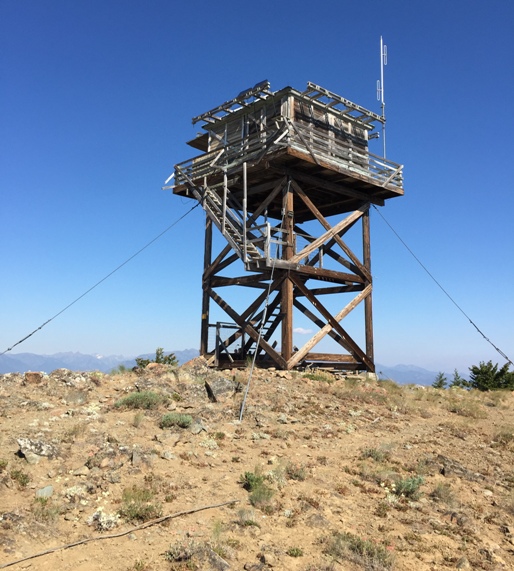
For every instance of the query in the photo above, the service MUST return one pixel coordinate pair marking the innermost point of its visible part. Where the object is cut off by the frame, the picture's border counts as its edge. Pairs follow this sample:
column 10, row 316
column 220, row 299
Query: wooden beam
column 321, row 324
column 254, row 280
column 334, row 290
column 330, row 357
column 368, row 310
column 204, row 326
column 265, row 203
column 322, row 220
column 339, row 227
column 319, row 273
column 333, row 323
column 271, row 308
column 287, row 286
column 325, row 248
column 245, row 326
column 338, row 188
column 218, row 264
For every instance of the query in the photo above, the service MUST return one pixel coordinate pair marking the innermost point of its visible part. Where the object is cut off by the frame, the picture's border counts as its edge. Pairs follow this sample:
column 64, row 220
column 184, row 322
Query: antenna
column 380, row 88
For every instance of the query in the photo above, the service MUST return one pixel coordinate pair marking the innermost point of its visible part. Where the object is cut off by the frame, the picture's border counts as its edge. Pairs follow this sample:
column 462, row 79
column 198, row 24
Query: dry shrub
column 466, row 407
column 370, row 555
column 443, row 493
column 503, row 437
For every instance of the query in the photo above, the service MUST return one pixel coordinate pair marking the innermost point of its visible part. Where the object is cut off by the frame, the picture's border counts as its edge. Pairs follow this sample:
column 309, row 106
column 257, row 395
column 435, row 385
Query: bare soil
column 322, row 473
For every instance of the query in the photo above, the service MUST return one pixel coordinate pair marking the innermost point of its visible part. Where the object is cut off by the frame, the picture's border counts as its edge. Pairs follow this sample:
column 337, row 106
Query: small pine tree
column 458, row 381
column 440, row 381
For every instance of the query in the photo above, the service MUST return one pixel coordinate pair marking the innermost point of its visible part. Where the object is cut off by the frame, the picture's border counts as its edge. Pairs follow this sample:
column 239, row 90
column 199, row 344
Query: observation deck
column 316, row 136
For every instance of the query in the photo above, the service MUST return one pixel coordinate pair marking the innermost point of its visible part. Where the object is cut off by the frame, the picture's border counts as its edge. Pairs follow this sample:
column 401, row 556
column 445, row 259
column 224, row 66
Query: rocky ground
column 154, row 471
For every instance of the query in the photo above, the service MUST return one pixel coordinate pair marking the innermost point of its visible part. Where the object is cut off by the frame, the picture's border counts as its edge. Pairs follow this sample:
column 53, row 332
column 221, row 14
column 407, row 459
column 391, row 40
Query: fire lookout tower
column 287, row 179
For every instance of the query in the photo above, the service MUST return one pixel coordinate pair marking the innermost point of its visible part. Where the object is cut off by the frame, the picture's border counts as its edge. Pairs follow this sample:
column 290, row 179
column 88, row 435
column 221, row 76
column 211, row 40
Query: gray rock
column 317, row 520
column 112, row 477
column 46, row 492
column 222, row 386
column 197, row 426
column 32, row 458
column 463, row 563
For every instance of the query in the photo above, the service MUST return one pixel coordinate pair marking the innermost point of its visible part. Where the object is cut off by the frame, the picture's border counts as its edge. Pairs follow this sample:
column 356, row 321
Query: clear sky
column 97, row 97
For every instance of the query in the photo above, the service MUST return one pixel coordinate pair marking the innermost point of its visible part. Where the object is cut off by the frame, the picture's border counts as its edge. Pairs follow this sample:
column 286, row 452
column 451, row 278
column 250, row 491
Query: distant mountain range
column 21, row 362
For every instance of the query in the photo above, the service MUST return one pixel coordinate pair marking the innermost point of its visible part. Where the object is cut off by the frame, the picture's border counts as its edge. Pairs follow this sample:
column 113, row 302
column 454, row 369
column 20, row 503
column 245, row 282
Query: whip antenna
column 380, row 88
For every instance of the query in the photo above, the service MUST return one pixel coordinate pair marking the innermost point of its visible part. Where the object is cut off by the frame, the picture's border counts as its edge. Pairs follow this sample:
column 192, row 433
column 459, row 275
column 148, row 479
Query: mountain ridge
column 21, row 362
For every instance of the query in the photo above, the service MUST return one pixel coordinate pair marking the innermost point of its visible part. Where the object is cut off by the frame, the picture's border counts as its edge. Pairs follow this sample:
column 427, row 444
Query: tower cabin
column 270, row 163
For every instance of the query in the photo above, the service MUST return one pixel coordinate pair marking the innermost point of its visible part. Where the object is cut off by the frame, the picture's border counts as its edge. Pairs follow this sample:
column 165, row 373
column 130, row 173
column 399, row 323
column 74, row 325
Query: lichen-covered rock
column 37, row 447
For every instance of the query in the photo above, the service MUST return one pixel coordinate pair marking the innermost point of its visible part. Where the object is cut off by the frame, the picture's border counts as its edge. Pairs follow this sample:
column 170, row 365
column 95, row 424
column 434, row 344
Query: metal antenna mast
column 380, row 88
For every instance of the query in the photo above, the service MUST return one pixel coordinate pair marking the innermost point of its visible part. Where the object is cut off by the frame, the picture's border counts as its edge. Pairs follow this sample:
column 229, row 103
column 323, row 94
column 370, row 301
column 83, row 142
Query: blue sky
column 97, row 98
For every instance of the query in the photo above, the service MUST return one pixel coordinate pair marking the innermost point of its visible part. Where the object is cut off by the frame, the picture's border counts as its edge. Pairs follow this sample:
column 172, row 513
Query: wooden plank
column 334, row 290
column 368, row 309
column 299, row 355
column 336, row 188
column 245, row 326
column 271, row 308
column 322, row 220
column 326, row 248
column 204, row 326
column 339, row 227
column 286, row 303
column 253, row 280
column 319, row 273
column 265, row 203
column 321, row 324
column 215, row 265
column 330, row 357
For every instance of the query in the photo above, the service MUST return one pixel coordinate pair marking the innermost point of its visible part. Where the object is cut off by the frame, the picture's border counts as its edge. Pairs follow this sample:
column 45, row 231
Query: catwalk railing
column 320, row 144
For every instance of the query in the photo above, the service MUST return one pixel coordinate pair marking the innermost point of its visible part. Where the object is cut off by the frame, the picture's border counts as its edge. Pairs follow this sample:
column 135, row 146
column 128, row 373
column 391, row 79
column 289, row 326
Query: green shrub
column 246, row 518
column 260, row 492
column 488, row 377
column 142, row 400
column 408, row 488
column 137, row 505
column 160, row 357
column 176, row 419
column 294, row 552
column 251, row 481
column 20, row 477
column 261, row 496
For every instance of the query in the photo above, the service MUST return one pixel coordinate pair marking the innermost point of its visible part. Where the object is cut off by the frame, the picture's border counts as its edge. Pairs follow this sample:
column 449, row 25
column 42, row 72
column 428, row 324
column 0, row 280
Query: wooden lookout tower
column 286, row 177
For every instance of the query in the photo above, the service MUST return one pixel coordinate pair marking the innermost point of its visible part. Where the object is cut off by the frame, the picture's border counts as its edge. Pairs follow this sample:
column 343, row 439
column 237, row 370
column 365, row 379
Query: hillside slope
column 321, row 473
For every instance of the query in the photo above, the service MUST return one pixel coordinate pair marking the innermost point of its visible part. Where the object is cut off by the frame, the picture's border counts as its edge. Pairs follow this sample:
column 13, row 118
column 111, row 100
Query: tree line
column 483, row 377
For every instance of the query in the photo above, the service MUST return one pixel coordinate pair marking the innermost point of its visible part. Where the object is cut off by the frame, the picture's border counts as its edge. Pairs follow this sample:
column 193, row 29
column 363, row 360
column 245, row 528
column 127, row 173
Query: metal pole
column 245, row 194
column 383, row 62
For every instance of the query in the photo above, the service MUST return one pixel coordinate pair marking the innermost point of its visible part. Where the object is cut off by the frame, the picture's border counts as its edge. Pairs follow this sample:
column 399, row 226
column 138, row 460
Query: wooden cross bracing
column 290, row 283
